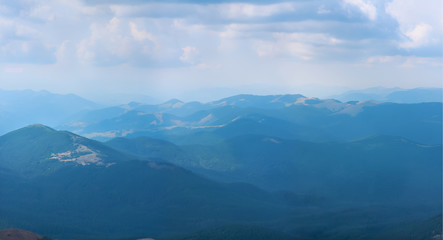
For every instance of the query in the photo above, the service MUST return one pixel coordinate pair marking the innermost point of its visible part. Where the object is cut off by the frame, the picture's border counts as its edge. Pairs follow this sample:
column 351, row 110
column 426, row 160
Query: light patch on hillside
column 160, row 166
column 355, row 109
column 235, row 119
column 159, row 117
column 179, row 123
column 300, row 101
column 125, row 133
column 223, row 103
column 273, row 140
column 107, row 134
column 178, row 105
column 81, row 155
column 200, row 127
column 276, row 99
column 143, row 113
column 206, row 119
column 331, row 105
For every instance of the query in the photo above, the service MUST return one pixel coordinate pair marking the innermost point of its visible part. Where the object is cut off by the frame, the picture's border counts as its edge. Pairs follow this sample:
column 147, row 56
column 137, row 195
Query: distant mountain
column 416, row 95
column 283, row 116
column 19, row 234
column 254, row 101
column 382, row 169
column 20, row 108
column 396, row 95
column 38, row 149
column 145, row 147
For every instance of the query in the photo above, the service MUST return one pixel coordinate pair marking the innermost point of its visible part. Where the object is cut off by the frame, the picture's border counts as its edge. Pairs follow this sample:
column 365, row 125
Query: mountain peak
column 173, row 101
column 39, row 125
column 38, row 149
column 33, row 130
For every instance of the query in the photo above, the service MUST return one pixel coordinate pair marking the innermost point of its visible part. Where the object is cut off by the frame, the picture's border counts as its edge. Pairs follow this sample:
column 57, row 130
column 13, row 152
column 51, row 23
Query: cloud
column 418, row 36
column 305, row 46
column 140, row 35
column 20, row 43
column 39, row 12
column 189, row 54
column 366, row 8
column 245, row 11
column 420, row 23
column 158, row 34
column 117, row 42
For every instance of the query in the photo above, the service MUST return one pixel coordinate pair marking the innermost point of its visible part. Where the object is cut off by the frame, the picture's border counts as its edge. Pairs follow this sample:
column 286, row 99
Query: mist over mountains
column 396, row 95
column 242, row 167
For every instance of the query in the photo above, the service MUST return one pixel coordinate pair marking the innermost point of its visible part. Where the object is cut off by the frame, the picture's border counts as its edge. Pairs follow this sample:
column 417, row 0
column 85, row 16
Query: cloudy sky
column 198, row 50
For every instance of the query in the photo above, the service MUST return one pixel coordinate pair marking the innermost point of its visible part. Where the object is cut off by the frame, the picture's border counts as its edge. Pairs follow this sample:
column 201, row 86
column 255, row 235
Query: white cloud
column 322, row 10
column 116, row 42
column 42, row 12
column 305, row 46
column 418, row 36
column 140, row 35
column 420, row 22
column 243, row 10
column 365, row 7
column 189, row 54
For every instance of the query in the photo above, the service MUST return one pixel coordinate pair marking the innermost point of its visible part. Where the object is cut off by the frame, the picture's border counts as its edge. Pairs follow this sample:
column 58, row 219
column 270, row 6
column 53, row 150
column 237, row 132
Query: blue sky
column 198, row 50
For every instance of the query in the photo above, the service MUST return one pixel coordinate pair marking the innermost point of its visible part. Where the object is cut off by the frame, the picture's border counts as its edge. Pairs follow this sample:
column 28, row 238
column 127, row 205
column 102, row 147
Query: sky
column 114, row 50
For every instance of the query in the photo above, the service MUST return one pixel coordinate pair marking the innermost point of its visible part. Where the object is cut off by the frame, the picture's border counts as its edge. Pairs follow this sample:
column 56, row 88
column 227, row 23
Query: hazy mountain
column 331, row 169
column 254, row 101
column 284, row 116
column 382, row 169
column 145, row 147
column 397, row 95
column 20, row 108
column 416, row 95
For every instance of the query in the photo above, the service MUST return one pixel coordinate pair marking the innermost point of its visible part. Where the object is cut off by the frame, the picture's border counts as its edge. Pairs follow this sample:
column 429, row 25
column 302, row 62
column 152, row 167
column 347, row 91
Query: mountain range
column 395, row 95
column 242, row 167
column 70, row 187
column 21, row 108
column 283, row 116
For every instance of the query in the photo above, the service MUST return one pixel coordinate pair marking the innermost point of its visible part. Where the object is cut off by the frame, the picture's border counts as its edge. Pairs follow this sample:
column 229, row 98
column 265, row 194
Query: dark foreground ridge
column 20, row 234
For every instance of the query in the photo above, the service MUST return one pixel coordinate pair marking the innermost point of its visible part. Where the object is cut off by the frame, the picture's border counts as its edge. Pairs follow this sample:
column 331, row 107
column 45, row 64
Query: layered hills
column 115, row 195
column 277, row 166
column 284, row 116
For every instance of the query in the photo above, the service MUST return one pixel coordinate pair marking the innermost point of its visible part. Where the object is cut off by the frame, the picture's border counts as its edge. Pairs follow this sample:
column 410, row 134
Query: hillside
column 127, row 197
column 19, row 234
column 38, row 149
column 382, row 169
